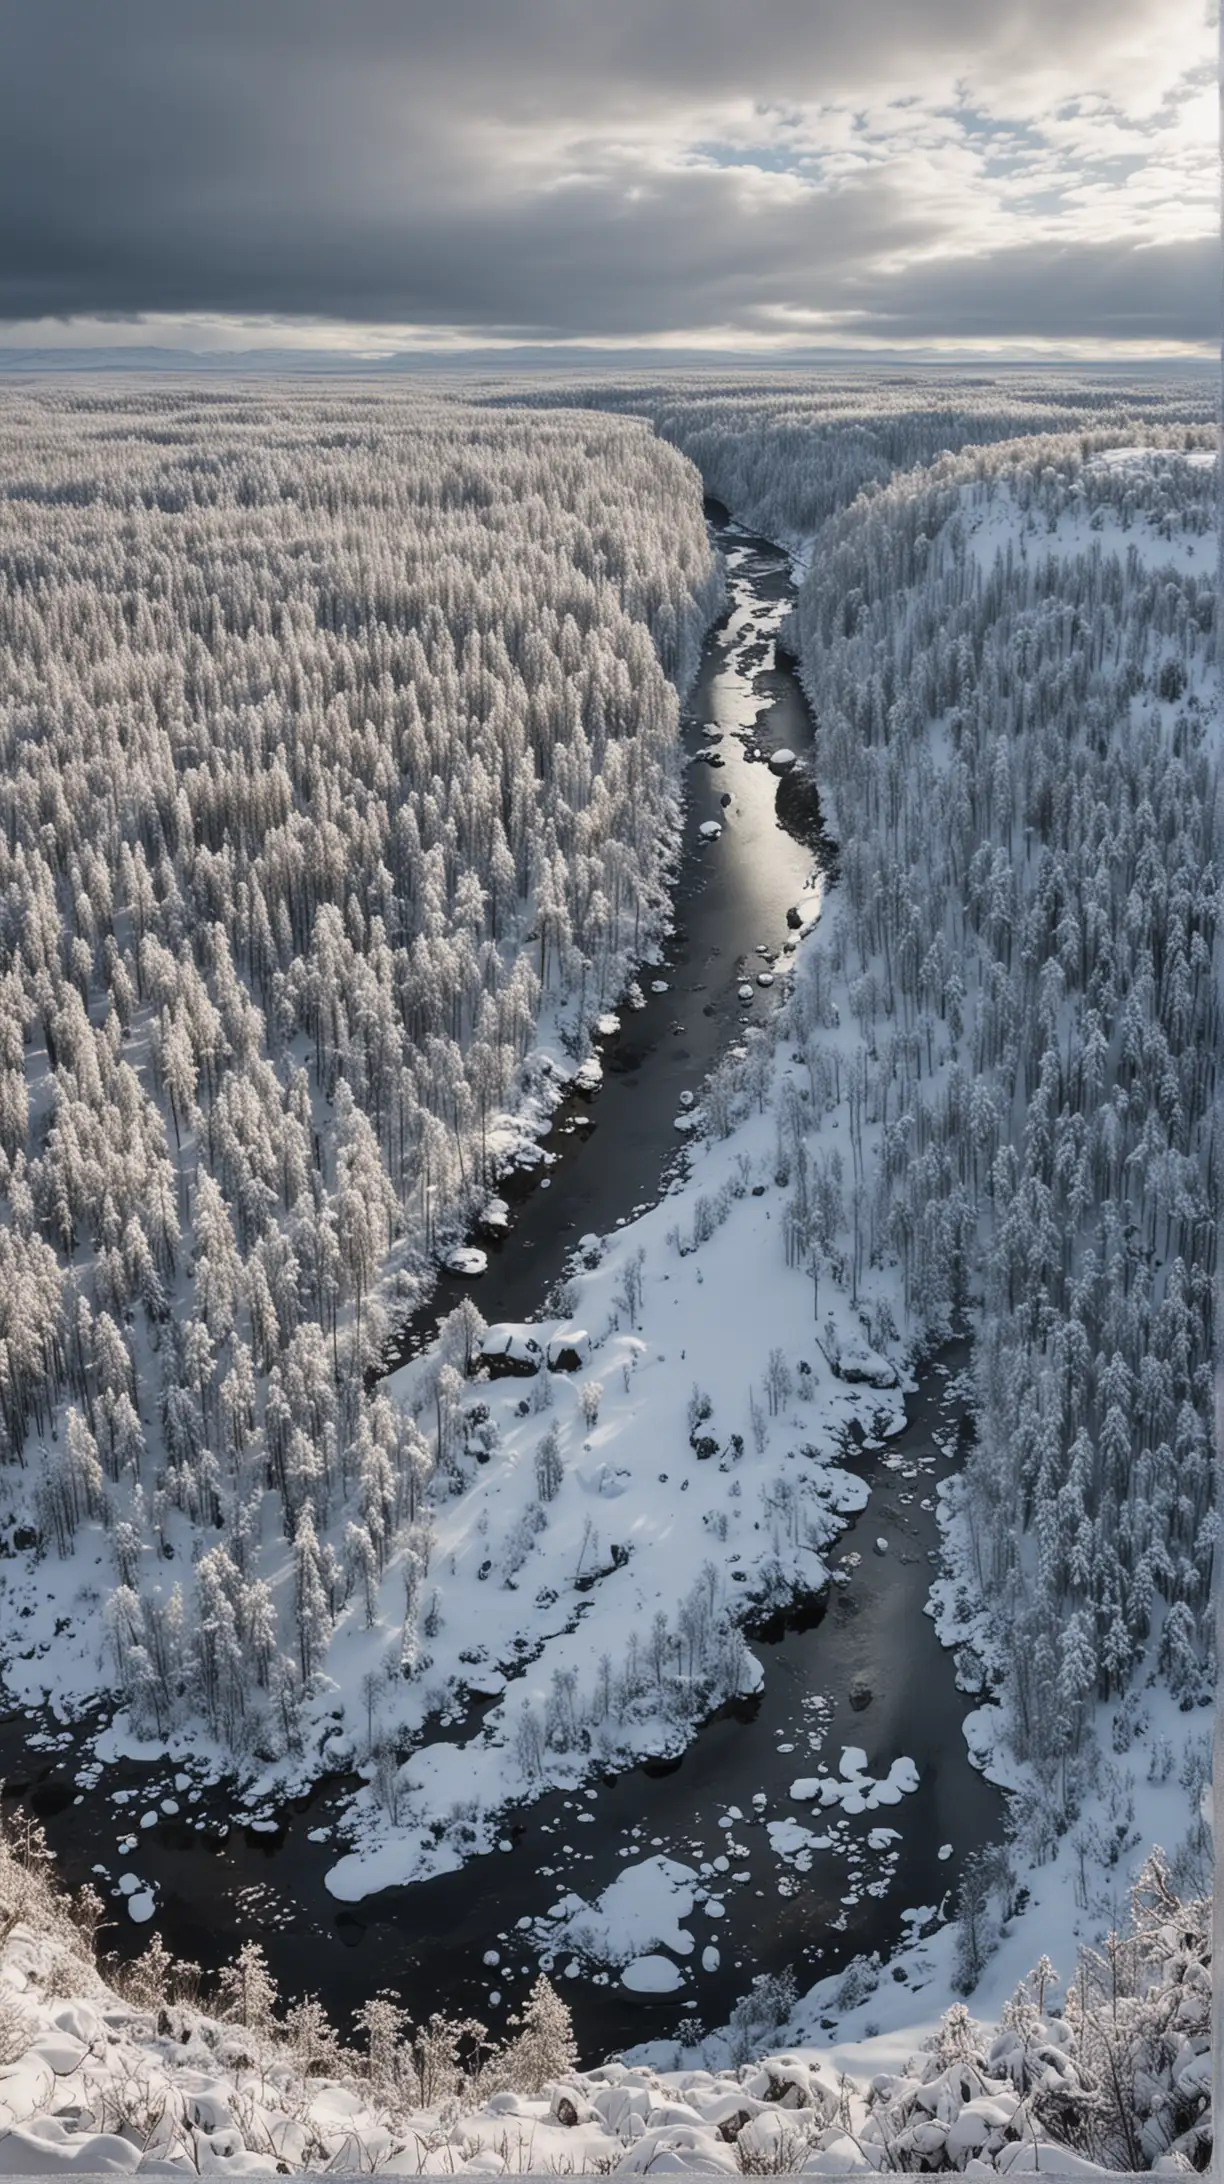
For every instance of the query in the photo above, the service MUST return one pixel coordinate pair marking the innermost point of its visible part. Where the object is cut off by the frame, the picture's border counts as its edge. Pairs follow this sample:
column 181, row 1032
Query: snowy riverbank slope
column 1013, row 660
column 146, row 2077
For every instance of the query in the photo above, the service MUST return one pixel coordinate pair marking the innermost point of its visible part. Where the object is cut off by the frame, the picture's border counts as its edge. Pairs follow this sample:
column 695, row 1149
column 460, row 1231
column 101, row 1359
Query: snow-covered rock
column 569, row 1350
column 855, row 1360
column 507, row 1348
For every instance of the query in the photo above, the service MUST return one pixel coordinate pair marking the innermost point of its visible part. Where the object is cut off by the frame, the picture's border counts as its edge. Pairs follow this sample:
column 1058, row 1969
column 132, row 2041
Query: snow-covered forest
column 787, row 450
column 339, row 741
column 1013, row 663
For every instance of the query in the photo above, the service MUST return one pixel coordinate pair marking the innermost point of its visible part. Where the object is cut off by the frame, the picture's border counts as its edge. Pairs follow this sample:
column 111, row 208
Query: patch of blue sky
column 770, row 158
column 972, row 121
column 1050, row 199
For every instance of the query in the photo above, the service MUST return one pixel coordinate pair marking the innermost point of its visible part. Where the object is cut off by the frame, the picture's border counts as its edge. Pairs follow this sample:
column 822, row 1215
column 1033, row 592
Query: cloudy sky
column 382, row 174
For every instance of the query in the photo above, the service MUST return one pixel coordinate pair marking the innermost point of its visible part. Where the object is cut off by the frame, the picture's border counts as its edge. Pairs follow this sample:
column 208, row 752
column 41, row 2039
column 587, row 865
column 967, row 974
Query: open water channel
column 863, row 1668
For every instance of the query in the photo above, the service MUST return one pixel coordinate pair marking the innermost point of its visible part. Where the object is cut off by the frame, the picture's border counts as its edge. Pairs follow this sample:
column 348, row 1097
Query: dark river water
column 863, row 1668
column 730, row 897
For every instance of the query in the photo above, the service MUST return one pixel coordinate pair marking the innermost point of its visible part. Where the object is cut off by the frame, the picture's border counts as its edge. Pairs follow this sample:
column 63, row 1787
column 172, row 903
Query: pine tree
column 544, row 2047
column 247, row 1990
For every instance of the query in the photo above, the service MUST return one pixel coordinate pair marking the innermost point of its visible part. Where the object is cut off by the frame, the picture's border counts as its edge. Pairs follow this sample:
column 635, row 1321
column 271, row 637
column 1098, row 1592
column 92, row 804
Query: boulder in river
column 467, row 1259
column 781, row 761
column 652, row 1975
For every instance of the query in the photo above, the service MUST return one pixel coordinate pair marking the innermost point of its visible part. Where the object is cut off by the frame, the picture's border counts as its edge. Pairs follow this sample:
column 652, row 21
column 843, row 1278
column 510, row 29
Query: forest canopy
column 338, row 737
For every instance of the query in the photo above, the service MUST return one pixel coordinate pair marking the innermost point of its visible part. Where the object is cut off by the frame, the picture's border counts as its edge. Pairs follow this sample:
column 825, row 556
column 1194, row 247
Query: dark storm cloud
column 353, row 162
column 1081, row 291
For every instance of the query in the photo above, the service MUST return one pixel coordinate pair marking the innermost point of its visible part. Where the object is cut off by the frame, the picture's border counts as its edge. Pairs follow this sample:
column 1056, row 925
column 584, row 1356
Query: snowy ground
column 1173, row 539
